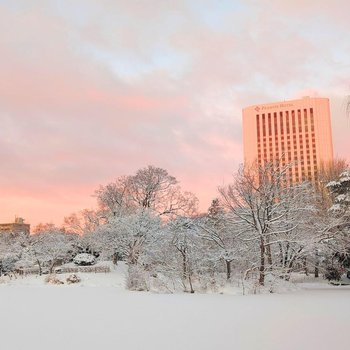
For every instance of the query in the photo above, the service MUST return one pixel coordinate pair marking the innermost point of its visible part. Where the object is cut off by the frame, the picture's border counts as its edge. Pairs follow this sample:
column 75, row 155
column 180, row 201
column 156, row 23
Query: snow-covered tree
column 337, row 232
column 267, row 212
column 52, row 247
column 150, row 188
column 154, row 188
column 128, row 235
column 217, row 227
column 187, row 249
column 12, row 251
column 340, row 190
column 86, row 221
column 327, row 172
column 114, row 199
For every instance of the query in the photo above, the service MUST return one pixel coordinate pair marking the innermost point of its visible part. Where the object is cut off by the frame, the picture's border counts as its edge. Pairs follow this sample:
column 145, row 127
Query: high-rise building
column 297, row 132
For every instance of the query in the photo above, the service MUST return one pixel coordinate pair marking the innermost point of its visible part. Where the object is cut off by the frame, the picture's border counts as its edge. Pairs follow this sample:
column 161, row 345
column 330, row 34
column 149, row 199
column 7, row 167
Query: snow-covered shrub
column 73, row 278
column 8, row 264
column 208, row 283
column 84, row 259
column 137, row 279
column 161, row 284
column 52, row 279
column 332, row 274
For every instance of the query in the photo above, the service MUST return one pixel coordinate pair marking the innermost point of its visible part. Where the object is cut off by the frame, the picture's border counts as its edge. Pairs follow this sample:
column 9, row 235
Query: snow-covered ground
column 100, row 314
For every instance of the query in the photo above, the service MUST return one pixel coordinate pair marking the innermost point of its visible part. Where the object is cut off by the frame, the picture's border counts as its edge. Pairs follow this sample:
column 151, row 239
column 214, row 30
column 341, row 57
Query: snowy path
column 55, row 317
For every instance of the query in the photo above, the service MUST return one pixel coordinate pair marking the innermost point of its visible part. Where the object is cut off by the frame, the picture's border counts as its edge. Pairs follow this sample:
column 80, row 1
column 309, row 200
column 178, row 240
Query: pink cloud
column 71, row 119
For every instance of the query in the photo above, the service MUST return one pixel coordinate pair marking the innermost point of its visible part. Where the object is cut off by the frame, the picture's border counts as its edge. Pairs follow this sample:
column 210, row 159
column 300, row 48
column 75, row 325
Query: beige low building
column 16, row 227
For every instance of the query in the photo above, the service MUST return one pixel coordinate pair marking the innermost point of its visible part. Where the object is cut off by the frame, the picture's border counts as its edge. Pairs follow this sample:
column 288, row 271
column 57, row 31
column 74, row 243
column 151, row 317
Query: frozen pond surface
column 107, row 317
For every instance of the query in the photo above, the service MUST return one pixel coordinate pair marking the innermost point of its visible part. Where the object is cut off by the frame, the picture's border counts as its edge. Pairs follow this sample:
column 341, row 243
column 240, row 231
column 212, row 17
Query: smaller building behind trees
column 16, row 227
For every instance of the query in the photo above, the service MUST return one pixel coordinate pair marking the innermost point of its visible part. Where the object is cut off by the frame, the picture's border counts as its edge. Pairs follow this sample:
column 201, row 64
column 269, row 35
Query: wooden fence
column 65, row 269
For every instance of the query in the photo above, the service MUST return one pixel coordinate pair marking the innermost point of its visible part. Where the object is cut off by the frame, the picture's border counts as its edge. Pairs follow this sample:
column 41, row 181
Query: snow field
column 44, row 317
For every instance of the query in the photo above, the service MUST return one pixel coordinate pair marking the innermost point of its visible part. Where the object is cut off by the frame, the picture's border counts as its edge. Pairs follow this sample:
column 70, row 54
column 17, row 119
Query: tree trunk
column 289, row 270
column 184, row 265
column 228, row 269
column 305, row 267
column 268, row 252
column 286, row 255
column 269, row 255
column 262, row 263
column 52, row 266
column 190, row 282
column 317, row 264
column 40, row 270
column 281, row 255
column 115, row 258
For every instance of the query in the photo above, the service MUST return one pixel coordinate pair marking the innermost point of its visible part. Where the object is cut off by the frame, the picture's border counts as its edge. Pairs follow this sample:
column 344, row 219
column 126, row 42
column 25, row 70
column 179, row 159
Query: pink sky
column 94, row 89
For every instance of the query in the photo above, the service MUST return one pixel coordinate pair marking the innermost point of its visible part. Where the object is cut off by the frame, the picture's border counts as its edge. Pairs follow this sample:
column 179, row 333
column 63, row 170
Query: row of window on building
column 287, row 136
